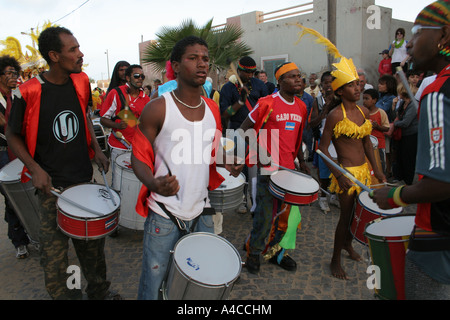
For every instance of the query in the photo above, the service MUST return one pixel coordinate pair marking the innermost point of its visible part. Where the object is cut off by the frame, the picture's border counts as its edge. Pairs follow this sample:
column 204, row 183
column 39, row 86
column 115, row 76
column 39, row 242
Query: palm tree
column 224, row 44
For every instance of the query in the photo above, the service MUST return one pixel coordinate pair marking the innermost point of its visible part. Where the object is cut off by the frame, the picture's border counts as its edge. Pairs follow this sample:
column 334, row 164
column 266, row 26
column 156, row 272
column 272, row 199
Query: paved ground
column 23, row 279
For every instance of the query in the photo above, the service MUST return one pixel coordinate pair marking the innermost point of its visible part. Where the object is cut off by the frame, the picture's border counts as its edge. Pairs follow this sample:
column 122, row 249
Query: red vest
column 31, row 93
column 143, row 151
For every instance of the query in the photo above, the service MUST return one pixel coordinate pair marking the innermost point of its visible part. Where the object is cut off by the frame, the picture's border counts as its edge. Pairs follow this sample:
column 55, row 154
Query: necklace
column 398, row 45
column 186, row 105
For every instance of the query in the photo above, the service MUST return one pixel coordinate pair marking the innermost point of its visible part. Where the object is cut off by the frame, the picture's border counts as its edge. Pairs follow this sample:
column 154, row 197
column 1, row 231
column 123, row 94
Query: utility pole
column 332, row 25
column 107, row 62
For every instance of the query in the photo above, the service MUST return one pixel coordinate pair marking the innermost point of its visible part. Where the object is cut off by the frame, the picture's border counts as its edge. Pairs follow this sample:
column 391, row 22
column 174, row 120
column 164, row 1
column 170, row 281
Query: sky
column 117, row 26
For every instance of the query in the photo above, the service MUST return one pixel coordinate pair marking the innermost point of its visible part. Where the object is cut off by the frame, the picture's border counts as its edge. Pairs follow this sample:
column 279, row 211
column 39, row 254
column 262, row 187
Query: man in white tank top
column 182, row 128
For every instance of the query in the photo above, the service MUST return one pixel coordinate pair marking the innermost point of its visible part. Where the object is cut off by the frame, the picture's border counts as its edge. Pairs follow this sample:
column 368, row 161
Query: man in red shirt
column 285, row 115
column 130, row 96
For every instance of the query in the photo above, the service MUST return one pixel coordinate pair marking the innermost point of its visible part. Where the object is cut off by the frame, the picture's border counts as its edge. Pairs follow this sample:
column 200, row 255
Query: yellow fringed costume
column 361, row 173
column 348, row 128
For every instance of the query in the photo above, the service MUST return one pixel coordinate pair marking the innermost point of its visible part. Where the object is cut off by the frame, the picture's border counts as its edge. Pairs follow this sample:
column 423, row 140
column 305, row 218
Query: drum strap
column 181, row 225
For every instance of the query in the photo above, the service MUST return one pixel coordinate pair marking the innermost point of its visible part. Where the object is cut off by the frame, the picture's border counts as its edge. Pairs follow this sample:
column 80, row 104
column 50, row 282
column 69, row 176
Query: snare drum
column 366, row 211
column 229, row 195
column 129, row 186
column 293, row 188
column 388, row 241
column 80, row 224
column 22, row 197
column 203, row 266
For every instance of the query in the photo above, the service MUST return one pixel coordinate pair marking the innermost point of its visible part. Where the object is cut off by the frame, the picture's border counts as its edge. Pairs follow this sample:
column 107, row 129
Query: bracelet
column 397, row 197
column 391, row 198
column 240, row 102
column 231, row 111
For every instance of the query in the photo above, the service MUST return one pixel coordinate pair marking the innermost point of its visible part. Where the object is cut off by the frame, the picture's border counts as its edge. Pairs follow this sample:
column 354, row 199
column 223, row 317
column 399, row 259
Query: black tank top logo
column 66, row 126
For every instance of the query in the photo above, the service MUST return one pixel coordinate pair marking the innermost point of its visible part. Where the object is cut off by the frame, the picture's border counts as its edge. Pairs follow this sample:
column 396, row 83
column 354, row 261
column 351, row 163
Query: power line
column 71, row 11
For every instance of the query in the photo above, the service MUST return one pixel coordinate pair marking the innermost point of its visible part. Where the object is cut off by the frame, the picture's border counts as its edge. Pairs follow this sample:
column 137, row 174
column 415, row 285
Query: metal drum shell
column 129, row 187
column 22, row 197
column 227, row 199
column 87, row 227
column 178, row 285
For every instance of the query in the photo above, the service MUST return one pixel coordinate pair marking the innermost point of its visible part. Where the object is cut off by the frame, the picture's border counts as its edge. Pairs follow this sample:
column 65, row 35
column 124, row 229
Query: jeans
column 160, row 237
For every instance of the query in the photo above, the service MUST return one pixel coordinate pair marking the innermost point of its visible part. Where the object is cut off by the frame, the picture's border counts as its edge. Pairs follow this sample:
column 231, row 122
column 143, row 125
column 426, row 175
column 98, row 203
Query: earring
column 445, row 51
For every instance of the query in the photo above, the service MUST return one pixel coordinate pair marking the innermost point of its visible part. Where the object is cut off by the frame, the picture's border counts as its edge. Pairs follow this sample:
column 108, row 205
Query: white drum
column 22, row 197
column 129, row 187
column 81, row 224
column 229, row 195
column 293, row 188
column 204, row 266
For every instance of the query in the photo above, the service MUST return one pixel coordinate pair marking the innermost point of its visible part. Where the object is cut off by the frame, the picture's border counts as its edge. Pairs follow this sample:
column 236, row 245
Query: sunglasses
column 416, row 29
column 139, row 75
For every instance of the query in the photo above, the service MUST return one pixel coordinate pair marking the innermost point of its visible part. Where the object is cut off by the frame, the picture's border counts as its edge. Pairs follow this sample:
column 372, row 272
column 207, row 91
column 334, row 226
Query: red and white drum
column 367, row 211
column 80, row 224
column 293, row 188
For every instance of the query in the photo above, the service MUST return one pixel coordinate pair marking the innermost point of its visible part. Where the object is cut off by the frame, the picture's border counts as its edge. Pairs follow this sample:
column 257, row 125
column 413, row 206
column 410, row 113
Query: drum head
column 400, row 226
column 294, row 183
column 230, row 181
column 207, row 258
column 92, row 196
column 124, row 161
column 12, row 171
column 368, row 203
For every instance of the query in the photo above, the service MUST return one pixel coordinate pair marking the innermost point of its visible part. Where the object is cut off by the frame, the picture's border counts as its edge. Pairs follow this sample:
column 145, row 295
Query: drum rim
column 292, row 192
column 197, row 281
column 89, row 183
column 385, row 239
column 12, row 164
column 376, row 212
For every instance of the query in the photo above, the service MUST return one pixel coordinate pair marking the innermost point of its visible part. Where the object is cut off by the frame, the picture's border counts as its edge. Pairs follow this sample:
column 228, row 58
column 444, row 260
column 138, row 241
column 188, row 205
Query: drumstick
column 79, row 206
column 345, row 173
column 107, row 187
column 293, row 171
column 402, row 75
column 233, row 69
column 120, row 136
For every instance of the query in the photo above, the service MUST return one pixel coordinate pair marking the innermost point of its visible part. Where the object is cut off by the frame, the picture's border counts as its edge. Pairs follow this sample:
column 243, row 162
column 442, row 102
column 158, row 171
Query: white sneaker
column 323, row 204
column 22, row 252
column 334, row 201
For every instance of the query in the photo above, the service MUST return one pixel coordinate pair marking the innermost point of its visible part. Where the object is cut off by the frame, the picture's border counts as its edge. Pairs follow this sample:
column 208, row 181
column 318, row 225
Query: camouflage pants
column 54, row 247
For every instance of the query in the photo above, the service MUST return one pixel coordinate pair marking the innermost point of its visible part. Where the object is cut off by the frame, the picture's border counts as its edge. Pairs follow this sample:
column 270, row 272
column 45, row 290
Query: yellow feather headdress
column 345, row 70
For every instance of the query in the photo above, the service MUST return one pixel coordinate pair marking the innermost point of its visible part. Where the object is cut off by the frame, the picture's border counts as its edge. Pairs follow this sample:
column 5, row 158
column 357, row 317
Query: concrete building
column 359, row 29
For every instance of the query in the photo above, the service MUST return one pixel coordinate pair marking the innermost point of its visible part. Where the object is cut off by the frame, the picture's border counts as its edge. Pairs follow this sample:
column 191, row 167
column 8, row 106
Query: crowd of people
column 408, row 120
